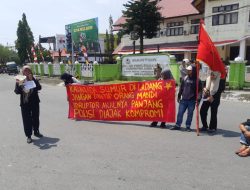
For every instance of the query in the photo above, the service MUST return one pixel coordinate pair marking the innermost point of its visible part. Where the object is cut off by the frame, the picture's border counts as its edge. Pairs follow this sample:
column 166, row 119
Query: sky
column 49, row 17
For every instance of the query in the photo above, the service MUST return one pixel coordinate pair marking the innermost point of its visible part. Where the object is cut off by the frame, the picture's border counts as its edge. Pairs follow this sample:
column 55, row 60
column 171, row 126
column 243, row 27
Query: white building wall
column 228, row 31
column 168, row 39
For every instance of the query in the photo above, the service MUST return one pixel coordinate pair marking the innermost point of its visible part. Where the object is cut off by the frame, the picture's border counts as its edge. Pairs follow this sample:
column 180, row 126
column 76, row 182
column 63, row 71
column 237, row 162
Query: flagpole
column 197, row 94
column 197, row 63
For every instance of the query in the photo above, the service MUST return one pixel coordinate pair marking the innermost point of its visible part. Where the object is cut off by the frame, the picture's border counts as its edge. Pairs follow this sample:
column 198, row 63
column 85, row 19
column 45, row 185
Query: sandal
column 245, row 153
column 242, row 148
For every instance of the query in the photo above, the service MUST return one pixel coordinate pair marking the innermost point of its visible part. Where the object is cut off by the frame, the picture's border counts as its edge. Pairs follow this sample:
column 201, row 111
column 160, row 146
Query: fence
column 109, row 72
column 86, row 70
column 247, row 75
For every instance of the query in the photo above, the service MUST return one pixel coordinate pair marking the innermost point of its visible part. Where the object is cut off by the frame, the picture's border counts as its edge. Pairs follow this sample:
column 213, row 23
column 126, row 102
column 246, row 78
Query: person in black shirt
column 29, row 102
column 187, row 98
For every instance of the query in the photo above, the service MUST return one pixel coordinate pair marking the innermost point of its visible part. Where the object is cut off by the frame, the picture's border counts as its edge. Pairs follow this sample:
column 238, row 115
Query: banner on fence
column 133, row 101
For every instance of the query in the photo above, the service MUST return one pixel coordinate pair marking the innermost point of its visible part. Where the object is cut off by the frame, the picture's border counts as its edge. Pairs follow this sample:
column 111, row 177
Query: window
column 194, row 26
column 174, row 29
column 195, row 21
column 225, row 8
column 221, row 19
column 225, row 15
column 194, row 29
column 228, row 18
column 215, row 9
column 234, row 17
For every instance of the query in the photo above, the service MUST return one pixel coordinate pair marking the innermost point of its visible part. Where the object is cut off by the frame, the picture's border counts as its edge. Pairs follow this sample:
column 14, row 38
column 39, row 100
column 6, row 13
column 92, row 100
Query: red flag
column 208, row 53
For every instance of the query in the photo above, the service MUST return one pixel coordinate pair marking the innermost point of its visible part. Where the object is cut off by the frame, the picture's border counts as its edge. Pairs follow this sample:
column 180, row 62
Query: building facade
column 227, row 22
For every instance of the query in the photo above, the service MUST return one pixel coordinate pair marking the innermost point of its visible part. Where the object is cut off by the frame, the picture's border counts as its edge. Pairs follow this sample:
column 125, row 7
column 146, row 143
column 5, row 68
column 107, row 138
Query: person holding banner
column 28, row 88
column 157, row 71
column 187, row 98
column 244, row 150
column 69, row 79
column 165, row 75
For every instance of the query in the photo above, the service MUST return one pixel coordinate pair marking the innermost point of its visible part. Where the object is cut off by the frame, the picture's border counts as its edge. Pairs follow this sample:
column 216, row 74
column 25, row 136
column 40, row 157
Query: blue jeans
column 183, row 106
column 243, row 139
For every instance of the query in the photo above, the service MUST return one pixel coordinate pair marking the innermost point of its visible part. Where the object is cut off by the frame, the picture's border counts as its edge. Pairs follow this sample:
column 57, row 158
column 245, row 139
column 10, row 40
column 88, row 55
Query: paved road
column 79, row 155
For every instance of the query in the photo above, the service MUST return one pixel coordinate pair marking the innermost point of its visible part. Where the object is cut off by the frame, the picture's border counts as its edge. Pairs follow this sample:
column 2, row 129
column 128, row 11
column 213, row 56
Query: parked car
column 12, row 68
column 2, row 68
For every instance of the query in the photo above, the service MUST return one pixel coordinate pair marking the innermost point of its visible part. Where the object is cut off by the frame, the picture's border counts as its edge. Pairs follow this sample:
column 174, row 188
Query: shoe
column 175, row 127
column 153, row 124
column 38, row 134
column 163, row 126
column 212, row 130
column 203, row 129
column 188, row 129
column 29, row 140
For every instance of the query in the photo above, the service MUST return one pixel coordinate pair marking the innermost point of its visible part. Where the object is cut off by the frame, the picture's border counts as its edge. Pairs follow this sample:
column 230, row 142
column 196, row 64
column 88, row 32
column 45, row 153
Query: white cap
column 238, row 59
column 186, row 60
column 189, row 68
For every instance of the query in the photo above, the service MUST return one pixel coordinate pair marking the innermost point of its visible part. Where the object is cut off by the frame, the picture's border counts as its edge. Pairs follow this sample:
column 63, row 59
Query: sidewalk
column 236, row 95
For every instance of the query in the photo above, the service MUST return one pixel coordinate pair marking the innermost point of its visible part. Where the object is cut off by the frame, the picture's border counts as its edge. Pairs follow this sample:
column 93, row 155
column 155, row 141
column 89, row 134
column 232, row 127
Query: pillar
column 42, row 69
column 50, row 68
column 174, row 68
column 78, row 72
column 242, row 53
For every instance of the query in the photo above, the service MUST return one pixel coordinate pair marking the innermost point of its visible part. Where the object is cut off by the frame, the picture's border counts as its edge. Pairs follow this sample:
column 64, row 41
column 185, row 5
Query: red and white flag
column 41, row 54
column 34, row 54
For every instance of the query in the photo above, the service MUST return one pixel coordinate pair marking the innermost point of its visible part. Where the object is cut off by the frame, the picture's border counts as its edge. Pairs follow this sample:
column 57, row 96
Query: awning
column 190, row 46
column 154, row 48
column 228, row 42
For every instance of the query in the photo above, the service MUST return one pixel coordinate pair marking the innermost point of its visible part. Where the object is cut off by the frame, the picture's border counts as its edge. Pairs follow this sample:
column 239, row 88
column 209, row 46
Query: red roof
column 176, row 8
column 171, row 8
column 56, row 53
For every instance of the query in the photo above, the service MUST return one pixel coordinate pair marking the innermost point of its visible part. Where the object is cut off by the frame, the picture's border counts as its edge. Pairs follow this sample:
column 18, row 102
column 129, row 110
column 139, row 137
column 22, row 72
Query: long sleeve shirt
column 33, row 97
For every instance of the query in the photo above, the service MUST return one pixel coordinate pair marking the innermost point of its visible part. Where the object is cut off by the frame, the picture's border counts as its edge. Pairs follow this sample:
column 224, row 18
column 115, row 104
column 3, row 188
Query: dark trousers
column 214, row 110
column 30, row 115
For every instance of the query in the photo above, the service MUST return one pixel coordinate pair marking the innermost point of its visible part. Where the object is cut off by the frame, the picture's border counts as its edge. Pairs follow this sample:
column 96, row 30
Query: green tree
column 142, row 19
column 24, row 40
column 7, row 54
column 111, row 38
column 107, row 43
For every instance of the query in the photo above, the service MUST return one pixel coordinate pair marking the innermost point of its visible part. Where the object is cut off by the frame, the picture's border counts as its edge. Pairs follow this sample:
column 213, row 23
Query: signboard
column 60, row 42
column 143, row 66
column 133, row 101
column 83, row 35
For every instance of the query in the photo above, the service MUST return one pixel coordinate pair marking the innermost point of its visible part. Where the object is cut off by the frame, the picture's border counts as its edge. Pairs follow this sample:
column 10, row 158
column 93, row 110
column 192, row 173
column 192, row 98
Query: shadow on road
column 223, row 133
column 227, row 133
column 118, row 123
column 45, row 142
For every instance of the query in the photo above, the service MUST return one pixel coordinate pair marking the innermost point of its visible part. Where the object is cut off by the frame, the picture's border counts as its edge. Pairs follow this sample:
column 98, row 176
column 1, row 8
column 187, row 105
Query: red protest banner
column 133, row 101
